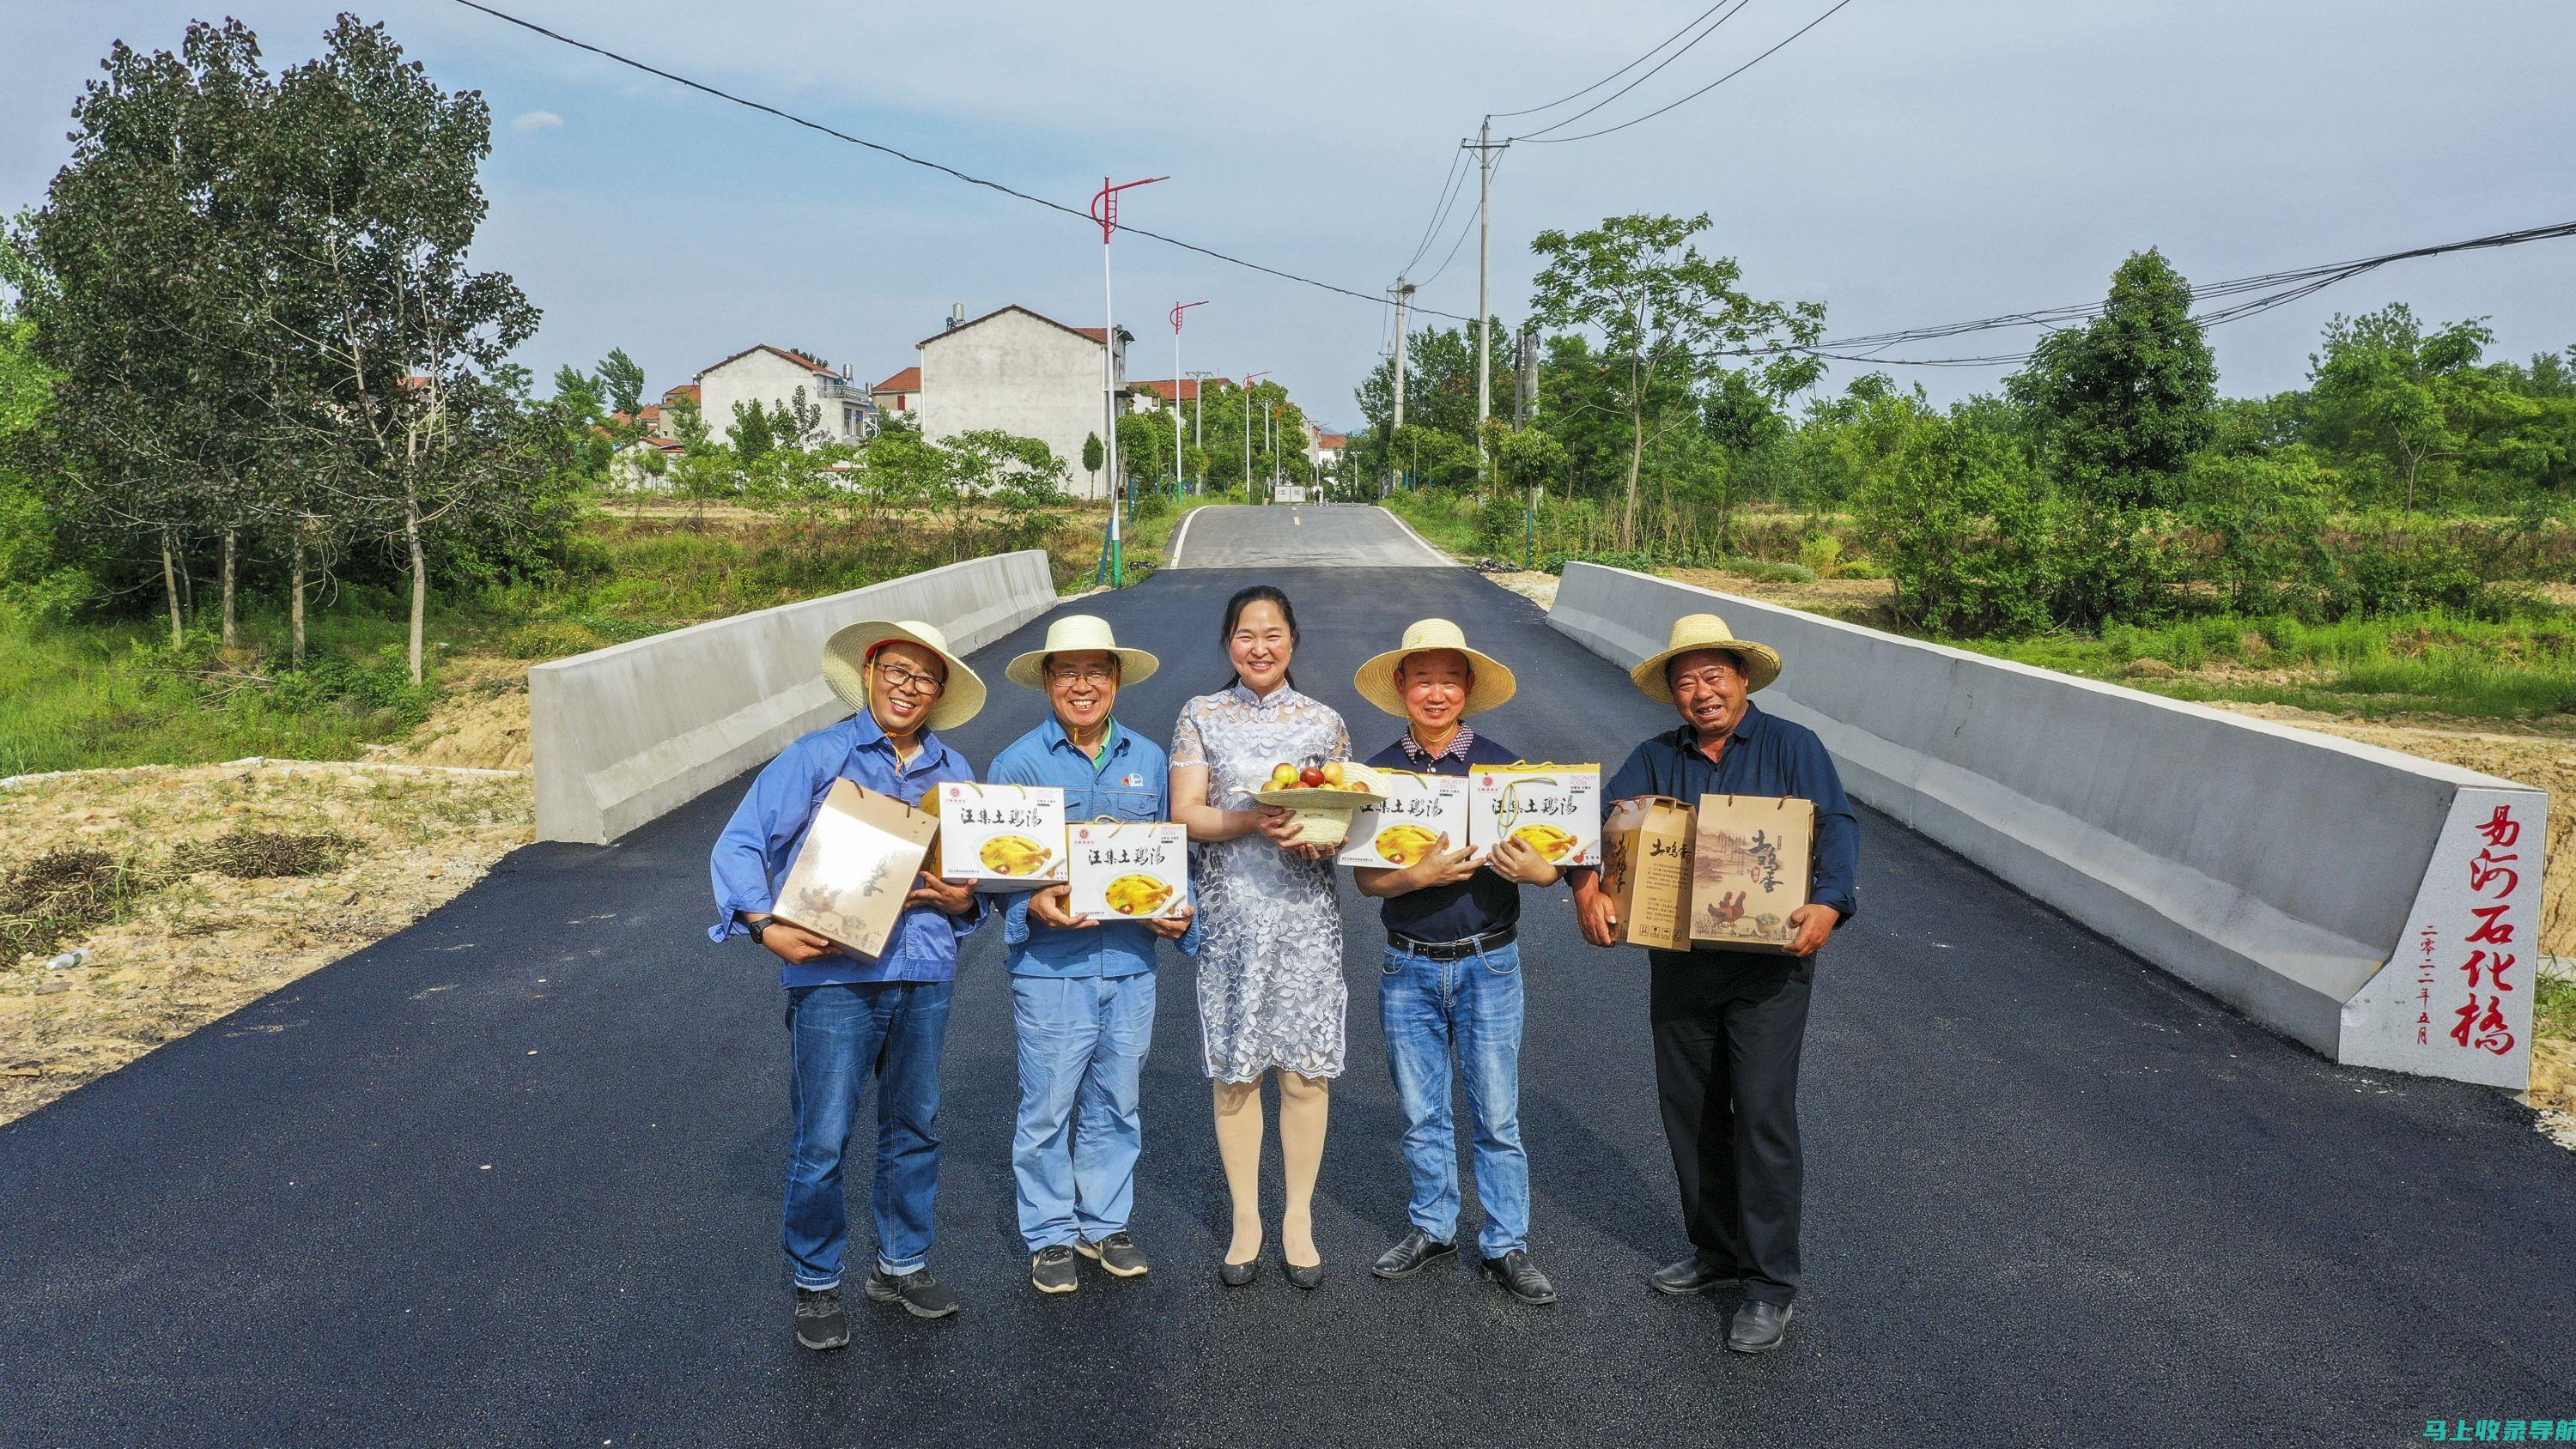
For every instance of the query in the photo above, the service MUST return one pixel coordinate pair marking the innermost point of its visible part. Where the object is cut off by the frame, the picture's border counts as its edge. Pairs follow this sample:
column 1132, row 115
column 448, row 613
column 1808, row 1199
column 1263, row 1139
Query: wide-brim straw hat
column 845, row 667
column 1080, row 634
column 1706, row 631
column 1493, row 684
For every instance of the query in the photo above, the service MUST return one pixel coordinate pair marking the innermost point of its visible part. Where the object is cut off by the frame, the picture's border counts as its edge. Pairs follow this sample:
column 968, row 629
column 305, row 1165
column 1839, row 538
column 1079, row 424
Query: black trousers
column 1729, row 1027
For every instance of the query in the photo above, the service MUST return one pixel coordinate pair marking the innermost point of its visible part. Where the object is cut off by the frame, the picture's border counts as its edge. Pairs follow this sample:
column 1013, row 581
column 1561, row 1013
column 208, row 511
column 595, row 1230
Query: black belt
column 1455, row 950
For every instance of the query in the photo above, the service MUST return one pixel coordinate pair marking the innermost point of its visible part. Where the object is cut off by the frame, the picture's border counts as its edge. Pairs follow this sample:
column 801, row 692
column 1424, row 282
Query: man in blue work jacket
column 1082, row 991
column 849, row 1018
column 1450, row 988
column 1729, row 1025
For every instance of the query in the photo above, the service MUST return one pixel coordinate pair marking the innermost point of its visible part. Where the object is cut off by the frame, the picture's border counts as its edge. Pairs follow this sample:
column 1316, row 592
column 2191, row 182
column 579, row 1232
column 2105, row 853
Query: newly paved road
column 512, row 1176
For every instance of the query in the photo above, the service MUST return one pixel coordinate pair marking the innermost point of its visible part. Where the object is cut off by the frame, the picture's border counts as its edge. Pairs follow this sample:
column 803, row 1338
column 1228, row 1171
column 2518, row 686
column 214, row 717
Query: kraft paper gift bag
column 859, row 860
column 1752, row 863
column 1128, row 870
column 1646, row 848
column 1002, row 837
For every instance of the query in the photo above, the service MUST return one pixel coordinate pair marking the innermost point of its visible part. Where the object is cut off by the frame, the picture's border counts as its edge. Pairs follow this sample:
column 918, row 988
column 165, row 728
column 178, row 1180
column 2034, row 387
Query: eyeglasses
column 1093, row 674
column 904, row 681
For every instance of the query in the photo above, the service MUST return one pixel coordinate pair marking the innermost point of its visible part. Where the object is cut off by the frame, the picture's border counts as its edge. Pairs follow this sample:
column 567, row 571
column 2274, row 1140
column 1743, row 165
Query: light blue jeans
column 841, row 1037
column 1082, row 1057
column 1466, row 1011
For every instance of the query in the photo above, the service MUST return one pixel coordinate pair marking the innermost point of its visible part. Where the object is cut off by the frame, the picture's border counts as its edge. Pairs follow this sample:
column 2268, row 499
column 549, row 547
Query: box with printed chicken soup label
column 1556, row 808
column 1127, row 870
column 1415, row 811
column 1002, row 837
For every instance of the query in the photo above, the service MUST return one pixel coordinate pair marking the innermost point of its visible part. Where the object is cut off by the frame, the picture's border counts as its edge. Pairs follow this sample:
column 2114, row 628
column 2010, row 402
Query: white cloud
column 537, row 121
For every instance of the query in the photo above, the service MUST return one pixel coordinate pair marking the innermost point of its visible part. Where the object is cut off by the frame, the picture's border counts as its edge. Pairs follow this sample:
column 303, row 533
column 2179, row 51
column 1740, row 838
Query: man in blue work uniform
column 849, row 1018
column 1451, row 983
column 1082, row 991
column 1729, row 1025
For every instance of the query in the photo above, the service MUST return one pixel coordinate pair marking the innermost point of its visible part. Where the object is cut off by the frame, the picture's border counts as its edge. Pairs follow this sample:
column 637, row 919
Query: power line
column 2259, row 294
column 1614, row 75
column 910, row 159
column 1641, row 80
column 1440, row 213
column 1463, row 228
column 1703, row 90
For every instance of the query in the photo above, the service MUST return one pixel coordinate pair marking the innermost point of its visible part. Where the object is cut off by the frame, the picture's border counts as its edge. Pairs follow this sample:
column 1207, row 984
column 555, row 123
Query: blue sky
column 1906, row 162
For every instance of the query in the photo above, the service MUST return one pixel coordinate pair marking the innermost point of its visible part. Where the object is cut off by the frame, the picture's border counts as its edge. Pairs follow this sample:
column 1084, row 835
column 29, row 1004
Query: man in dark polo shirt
column 1729, row 1025
column 1451, row 988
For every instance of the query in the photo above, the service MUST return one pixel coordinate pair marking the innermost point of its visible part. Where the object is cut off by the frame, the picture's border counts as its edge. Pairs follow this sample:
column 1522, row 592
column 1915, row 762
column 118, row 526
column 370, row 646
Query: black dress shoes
column 1309, row 1277
column 1411, row 1254
column 1235, row 1275
column 1520, row 1277
column 1694, row 1274
column 1759, row 1326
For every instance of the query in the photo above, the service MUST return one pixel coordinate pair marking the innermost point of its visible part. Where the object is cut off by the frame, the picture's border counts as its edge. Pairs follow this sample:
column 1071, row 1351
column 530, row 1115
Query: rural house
column 1019, row 372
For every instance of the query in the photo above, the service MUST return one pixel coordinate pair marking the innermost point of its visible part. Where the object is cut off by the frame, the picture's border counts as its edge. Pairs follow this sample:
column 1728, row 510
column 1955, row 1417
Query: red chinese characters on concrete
column 2492, row 876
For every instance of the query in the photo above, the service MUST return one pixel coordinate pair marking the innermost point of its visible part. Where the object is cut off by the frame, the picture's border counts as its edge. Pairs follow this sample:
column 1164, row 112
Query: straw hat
column 1080, row 634
column 1706, row 631
column 1376, row 679
column 845, row 667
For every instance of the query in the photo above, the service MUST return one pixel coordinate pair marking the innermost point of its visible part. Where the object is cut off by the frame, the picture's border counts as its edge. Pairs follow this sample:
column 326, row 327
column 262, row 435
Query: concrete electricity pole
column 1484, row 146
column 1403, row 300
column 1198, row 418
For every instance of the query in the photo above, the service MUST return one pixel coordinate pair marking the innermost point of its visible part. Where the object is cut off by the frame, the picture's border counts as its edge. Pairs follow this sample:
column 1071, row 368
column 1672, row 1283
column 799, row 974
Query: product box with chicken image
column 1645, row 870
column 1127, row 871
column 1412, row 813
column 1556, row 808
column 860, row 859
column 1751, row 865
column 1002, row 837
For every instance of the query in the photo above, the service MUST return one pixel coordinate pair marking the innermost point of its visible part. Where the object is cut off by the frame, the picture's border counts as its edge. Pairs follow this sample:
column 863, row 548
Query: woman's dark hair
column 1234, row 607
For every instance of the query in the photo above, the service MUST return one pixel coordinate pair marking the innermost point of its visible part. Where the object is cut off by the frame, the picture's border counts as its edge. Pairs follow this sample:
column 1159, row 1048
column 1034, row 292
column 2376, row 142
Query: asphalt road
column 1337, row 535
column 513, row 1176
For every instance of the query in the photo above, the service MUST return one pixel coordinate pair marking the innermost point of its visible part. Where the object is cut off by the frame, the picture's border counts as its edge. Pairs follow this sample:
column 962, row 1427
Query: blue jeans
column 838, row 1038
column 1468, row 1010
column 1082, row 1058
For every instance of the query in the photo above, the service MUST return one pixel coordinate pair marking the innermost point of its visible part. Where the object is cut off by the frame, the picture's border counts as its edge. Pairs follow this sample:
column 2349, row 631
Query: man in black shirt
column 1452, row 970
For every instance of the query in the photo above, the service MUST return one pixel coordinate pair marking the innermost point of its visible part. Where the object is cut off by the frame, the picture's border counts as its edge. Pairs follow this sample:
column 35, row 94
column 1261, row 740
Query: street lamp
column 1248, row 379
column 1177, row 485
column 1104, row 210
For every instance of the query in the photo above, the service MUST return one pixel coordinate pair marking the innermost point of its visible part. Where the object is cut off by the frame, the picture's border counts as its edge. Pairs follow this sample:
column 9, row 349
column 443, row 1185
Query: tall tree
column 2395, row 397
column 1664, row 315
column 622, row 378
column 404, row 337
column 2126, row 399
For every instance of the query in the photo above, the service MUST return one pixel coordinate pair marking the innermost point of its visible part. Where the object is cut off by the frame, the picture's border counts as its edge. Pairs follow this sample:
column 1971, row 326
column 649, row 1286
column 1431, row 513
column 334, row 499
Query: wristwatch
column 759, row 924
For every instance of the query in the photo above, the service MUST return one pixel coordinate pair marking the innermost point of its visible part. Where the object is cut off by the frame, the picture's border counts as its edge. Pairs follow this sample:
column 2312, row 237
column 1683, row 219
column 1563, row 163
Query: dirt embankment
column 418, row 823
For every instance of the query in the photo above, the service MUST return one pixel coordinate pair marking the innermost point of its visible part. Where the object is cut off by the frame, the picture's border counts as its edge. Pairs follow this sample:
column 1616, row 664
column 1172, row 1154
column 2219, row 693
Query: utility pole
column 1403, row 300
column 1104, row 210
column 1248, row 379
column 1525, row 378
column 1198, row 419
column 1177, row 485
column 1484, row 146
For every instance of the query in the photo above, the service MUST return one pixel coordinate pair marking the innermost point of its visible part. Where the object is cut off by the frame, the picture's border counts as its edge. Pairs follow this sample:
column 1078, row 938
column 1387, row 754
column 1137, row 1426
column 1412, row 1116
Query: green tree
column 622, row 378
column 2399, row 400
column 1664, row 314
column 2125, row 400
column 1094, row 458
column 754, row 431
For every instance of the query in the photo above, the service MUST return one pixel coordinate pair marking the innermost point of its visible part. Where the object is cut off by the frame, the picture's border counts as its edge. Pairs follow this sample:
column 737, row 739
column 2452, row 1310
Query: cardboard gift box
column 1554, row 807
column 1412, row 813
column 1002, row 837
column 859, row 860
column 1128, row 870
column 1646, row 848
column 1752, row 863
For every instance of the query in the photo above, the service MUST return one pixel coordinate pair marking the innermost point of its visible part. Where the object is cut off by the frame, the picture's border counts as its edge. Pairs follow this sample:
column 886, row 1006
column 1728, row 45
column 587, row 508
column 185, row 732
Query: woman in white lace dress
column 1271, row 994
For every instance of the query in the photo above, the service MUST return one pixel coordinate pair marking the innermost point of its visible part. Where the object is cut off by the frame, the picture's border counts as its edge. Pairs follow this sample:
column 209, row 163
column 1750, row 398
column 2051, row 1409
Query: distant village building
column 770, row 376
column 899, row 395
column 1325, row 450
column 1154, row 397
column 1015, row 371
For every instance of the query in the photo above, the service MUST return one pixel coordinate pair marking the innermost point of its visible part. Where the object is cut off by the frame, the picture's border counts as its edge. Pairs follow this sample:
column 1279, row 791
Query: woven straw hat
column 845, row 667
column 1706, row 631
column 1376, row 679
column 1080, row 634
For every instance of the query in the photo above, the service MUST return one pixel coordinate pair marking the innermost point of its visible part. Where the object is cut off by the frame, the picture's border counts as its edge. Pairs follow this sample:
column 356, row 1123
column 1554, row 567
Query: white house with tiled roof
column 770, row 377
column 1016, row 371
